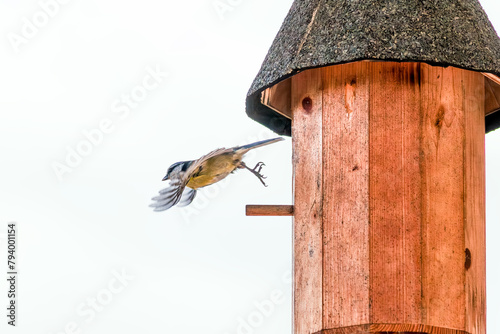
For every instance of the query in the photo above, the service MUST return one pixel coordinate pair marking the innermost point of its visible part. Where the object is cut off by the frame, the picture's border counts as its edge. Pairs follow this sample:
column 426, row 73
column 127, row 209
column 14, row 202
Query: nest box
column 387, row 103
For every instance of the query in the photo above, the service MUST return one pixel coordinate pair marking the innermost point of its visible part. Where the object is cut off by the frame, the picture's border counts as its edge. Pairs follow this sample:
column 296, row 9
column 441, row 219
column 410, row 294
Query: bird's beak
column 165, row 178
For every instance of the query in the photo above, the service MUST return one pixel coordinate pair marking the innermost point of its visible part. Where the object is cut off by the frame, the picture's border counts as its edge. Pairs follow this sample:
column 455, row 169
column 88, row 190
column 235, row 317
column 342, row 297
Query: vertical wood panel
column 307, row 161
column 395, row 193
column 443, row 278
column 475, row 228
column 345, row 195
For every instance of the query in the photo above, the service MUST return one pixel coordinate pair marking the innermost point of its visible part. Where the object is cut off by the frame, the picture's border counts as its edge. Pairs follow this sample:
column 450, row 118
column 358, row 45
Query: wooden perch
column 269, row 210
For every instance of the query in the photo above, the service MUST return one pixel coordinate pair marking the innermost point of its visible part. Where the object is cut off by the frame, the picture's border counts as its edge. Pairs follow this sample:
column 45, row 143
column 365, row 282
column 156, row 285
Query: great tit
column 186, row 177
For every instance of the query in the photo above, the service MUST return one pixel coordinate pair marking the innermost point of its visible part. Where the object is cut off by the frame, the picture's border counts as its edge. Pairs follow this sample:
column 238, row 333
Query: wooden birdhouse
column 387, row 103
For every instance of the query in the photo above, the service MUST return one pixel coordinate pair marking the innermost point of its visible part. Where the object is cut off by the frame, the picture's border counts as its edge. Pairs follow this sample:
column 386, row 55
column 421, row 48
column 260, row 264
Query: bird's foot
column 256, row 171
column 258, row 168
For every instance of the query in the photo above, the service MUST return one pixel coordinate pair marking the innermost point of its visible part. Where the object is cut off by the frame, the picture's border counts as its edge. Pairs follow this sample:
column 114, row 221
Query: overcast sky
column 134, row 87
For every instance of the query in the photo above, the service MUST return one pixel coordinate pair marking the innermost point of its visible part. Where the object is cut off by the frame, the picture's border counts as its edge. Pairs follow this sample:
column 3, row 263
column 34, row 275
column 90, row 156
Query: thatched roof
column 319, row 33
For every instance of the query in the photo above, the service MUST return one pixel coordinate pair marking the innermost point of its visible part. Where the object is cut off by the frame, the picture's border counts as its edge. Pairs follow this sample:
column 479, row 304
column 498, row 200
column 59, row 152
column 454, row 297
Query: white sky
column 205, row 269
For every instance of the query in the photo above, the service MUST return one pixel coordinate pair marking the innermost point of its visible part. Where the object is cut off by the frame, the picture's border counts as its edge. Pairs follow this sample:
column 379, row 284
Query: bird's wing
column 197, row 163
column 187, row 197
column 169, row 196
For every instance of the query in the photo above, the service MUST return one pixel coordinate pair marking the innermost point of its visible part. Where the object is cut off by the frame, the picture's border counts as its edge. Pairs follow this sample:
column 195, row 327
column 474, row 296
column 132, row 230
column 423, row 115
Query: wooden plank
column 442, row 162
column 392, row 328
column 413, row 329
column 475, row 228
column 269, row 210
column 346, row 297
column 492, row 97
column 278, row 98
column 358, row 329
column 308, row 254
column 395, row 193
column 492, row 77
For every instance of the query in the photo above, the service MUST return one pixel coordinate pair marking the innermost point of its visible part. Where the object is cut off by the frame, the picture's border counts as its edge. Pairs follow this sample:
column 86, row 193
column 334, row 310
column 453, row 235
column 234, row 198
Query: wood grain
column 492, row 96
column 492, row 77
column 395, row 192
column 345, row 195
column 392, row 329
column 307, row 162
column 269, row 210
column 475, row 228
column 278, row 97
column 443, row 137
column 389, row 218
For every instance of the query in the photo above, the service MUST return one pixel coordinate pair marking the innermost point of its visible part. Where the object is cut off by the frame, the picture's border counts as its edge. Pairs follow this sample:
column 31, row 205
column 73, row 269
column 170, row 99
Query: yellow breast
column 213, row 170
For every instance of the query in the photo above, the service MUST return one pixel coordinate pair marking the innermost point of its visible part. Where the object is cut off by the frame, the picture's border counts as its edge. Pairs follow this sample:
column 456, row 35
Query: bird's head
column 175, row 169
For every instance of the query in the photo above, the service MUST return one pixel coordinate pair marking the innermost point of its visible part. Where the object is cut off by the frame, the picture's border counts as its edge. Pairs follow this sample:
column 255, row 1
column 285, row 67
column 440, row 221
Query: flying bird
column 186, row 177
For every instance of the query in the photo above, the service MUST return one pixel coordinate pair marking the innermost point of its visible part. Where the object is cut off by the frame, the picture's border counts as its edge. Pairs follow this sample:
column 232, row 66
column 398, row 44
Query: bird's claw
column 258, row 168
column 256, row 171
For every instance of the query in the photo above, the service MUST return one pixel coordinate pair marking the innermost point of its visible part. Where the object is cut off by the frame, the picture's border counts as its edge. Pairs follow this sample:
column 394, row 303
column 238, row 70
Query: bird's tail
column 248, row 147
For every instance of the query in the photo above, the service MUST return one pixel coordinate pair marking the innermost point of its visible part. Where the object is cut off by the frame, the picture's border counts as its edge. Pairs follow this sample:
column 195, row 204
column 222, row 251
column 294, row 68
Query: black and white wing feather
column 169, row 196
column 187, row 197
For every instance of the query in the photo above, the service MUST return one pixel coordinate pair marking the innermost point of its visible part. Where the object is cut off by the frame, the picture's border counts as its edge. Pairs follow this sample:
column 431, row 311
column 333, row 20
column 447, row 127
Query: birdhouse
column 387, row 104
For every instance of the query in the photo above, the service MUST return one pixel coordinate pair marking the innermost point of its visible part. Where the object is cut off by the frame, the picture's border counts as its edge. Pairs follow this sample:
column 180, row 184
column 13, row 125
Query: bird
column 186, row 177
